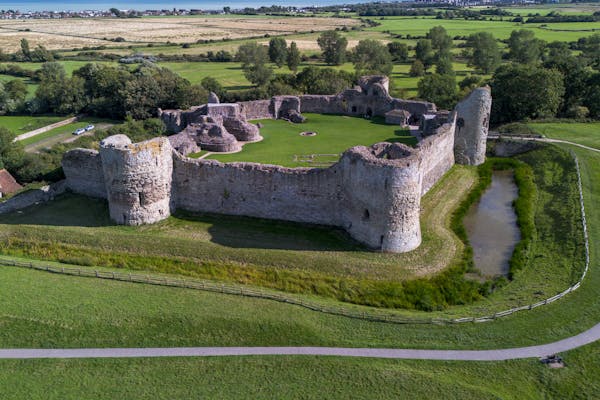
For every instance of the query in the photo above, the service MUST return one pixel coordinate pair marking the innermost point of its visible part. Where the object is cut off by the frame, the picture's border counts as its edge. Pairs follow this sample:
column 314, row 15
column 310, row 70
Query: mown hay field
column 73, row 33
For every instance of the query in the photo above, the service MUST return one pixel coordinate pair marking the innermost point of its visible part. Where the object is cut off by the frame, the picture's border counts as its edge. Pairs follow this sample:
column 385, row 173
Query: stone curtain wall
column 83, row 169
column 437, row 153
column 473, row 116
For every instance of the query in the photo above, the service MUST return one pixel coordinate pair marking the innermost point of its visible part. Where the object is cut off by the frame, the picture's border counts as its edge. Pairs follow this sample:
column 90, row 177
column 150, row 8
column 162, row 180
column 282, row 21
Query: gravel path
column 573, row 342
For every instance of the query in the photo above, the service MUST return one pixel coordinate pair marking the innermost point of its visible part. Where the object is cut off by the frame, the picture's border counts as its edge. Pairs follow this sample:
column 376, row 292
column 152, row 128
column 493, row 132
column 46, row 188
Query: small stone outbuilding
column 397, row 117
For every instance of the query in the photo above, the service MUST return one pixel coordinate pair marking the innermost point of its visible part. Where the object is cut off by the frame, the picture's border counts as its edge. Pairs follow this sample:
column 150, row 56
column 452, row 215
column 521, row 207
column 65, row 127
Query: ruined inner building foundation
column 374, row 193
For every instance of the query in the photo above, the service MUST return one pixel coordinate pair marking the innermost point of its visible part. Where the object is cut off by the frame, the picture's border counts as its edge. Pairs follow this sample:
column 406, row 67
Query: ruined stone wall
column 473, row 117
column 258, row 109
column 321, row 104
column 377, row 200
column 257, row 190
column 83, row 168
column 32, row 197
column 138, row 179
column 437, row 152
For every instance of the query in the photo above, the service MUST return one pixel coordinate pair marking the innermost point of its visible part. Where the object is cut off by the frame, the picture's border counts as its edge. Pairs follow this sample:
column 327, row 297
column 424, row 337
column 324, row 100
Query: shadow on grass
column 230, row 231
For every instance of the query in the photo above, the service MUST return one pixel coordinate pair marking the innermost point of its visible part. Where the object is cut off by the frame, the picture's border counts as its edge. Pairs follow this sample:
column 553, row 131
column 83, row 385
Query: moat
column 492, row 225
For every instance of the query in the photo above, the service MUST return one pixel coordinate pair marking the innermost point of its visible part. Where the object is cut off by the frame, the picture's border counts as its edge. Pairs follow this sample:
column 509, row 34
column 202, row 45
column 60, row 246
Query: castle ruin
column 373, row 193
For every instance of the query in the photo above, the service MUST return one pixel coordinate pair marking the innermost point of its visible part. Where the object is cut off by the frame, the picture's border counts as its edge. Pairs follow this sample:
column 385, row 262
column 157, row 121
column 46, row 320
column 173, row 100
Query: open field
column 23, row 124
column 565, row 8
column 283, row 145
column 73, row 33
column 500, row 29
column 587, row 134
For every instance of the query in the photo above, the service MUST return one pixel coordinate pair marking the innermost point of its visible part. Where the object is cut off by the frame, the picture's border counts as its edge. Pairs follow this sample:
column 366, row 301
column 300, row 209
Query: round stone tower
column 472, row 122
column 137, row 178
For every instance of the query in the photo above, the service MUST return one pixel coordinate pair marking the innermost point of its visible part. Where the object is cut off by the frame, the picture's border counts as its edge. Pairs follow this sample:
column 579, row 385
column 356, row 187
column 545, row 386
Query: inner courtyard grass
column 283, row 144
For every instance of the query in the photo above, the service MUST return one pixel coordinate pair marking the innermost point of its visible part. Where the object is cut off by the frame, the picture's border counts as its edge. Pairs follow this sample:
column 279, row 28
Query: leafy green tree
column 278, row 51
column 252, row 53
column 333, row 45
column 525, row 91
column 524, row 47
column 16, row 90
column 258, row 74
column 443, row 66
column 441, row 42
column 424, row 53
column 210, row 84
column 57, row 93
column 440, row 89
column 484, row 53
column 11, row 153
column 371, row 57
column 417, row 69
column 253, row 58
column 398, row 51
column 575, row 72
column 25, row 50
column 41, row 54
column 293, row 59
column 590, row 50
column 313, row 80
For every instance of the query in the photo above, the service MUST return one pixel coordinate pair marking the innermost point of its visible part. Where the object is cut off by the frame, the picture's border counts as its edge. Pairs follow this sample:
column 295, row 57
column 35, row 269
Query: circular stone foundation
column 308, row 133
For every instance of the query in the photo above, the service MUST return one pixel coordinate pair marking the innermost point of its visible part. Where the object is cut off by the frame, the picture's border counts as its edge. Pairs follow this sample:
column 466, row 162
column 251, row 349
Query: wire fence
column 380, row 315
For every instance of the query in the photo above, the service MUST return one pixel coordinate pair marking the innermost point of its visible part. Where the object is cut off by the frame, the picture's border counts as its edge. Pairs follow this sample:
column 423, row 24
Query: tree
column 575, row 73
column 25, row 49
column 443, row 66
column 524, row 47
column 278, row 51
column 294, row 58
column 258, row 74
column 424, row 53
column 57, row 93
column 313, row 80
column 210, row 84
column 417, row 69
column 590, row 50
column 333, row 45
column 227, row 10
column 440, row 41
column 11, row 152
column 252, row 53
column 440, row 89
column 371, row 58
column 485, row 54
column 398, row 51
column 525, row 91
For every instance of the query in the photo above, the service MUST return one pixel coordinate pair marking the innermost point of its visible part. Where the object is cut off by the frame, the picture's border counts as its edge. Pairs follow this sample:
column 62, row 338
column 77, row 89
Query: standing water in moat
column 492, row 225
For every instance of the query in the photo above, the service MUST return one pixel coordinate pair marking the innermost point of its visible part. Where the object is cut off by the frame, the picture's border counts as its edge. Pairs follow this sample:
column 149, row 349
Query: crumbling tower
column 137, row 178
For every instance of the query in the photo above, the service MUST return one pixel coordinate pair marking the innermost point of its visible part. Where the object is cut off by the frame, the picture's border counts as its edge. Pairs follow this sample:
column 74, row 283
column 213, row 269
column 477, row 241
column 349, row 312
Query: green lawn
column 283, row 145
column 285, row 377
column 23, row 124
column 500, row 29
column 587, row 134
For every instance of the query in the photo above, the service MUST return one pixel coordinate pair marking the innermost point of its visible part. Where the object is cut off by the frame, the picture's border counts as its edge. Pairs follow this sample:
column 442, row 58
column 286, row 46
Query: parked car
column 89, row 127
column 79, row 131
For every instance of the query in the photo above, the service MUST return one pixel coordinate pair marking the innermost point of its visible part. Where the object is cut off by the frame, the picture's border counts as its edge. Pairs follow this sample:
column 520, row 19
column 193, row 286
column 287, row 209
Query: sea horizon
column 41, row 5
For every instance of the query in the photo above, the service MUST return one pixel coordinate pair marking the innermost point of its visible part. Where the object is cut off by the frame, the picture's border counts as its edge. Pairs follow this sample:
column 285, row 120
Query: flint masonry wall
column 473, row 116
column 83, row 169
column 376, row 200
column 137, row 179
column 437, row 152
